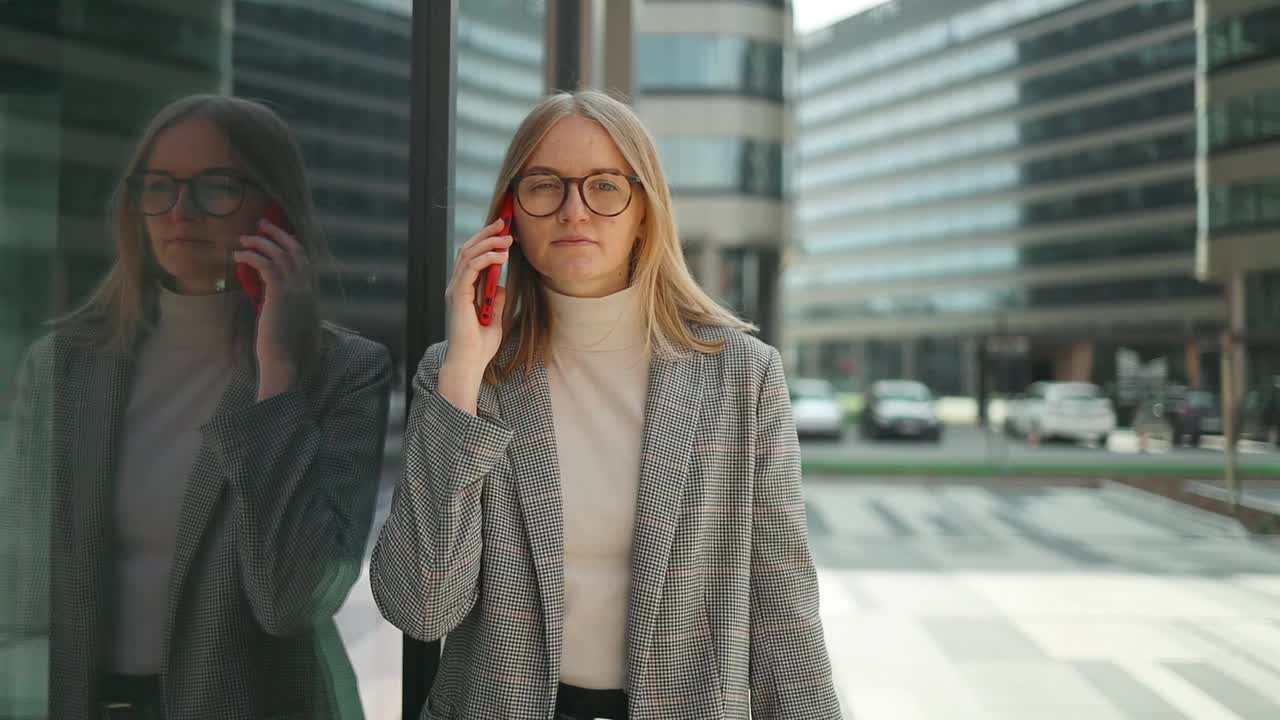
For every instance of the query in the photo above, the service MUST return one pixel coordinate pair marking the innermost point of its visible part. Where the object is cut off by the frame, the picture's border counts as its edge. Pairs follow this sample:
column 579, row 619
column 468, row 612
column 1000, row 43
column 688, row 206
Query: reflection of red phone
column 489, row 292
column 249, row 278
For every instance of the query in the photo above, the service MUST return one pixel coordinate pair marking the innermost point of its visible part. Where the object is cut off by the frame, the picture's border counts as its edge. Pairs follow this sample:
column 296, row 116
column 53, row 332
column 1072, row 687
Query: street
column 1000, row 600
column 994, row 602
column 968, row 444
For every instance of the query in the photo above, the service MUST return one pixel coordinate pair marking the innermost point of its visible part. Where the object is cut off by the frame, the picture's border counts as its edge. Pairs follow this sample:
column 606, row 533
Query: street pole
column 1229, row 419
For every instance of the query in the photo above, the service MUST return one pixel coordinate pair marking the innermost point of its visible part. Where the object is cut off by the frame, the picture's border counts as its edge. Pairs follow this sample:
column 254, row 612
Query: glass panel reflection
column 228, row 460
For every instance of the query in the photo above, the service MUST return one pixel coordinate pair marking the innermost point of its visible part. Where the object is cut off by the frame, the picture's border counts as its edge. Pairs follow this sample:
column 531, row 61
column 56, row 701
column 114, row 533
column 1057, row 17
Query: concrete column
column 1074, row 363
column 615, row 70
column 591, row 44
column 1238, row 323
column 1191, row 354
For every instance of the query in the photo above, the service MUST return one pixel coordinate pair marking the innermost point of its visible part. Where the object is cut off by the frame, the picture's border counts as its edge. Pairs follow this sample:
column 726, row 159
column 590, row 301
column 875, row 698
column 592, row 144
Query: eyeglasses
column 606, row 194
column 218, row 193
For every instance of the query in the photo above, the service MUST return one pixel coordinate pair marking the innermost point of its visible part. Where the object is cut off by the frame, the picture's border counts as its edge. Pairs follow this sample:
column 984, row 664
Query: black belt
column 575, row 703
column 130, row 697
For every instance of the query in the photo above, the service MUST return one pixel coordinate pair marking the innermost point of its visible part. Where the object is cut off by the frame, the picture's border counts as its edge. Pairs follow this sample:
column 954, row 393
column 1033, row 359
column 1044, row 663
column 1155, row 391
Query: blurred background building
column 82, row 78
column 78, row 80
column 1017, row 168
column 338, row 73
column 1239, row 173
column 710, row 85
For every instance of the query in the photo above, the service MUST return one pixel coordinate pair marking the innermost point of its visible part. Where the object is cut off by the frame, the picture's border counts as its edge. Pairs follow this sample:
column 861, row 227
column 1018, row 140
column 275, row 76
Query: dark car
column 900, row 408
column 1179, row 415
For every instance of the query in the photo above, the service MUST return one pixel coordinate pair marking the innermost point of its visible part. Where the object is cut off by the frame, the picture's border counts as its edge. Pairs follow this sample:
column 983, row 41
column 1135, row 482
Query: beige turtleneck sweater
column 599, row 377
column 181, row 370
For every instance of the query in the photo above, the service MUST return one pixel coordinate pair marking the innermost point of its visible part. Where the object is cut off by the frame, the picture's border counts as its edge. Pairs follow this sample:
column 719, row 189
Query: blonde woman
column 601, row 501
column 208, row 469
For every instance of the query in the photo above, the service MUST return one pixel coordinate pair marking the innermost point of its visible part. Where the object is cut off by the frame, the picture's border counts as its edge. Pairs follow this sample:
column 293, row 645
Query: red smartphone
column 249, row 278
column 489, row 289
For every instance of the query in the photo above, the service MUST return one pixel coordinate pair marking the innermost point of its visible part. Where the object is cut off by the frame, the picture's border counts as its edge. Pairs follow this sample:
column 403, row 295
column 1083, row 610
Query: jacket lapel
column 670, row 421
column 102, row 400
column 525, row 400
column 204, row 487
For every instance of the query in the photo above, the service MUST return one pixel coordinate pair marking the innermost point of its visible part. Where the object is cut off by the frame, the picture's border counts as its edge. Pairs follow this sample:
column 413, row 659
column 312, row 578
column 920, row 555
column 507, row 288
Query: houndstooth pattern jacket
column 276, row 513
column 723, row 620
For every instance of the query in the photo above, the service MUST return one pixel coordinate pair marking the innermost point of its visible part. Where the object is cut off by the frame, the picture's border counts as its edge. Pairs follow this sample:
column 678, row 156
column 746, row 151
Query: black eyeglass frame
column 135, row 192
column 514, row 188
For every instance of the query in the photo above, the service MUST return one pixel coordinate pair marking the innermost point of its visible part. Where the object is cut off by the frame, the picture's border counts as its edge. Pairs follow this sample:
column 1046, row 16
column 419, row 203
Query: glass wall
column 155, row 526
column 78, row 94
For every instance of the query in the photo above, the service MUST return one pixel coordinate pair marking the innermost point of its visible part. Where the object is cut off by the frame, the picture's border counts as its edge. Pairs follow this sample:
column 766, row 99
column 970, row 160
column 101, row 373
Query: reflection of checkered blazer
column 724, row 617
column 273, row 525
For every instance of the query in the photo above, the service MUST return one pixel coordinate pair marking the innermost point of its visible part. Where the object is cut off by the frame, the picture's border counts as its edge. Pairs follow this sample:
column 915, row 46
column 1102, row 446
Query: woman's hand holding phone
column 289, row 310
column 472, row 345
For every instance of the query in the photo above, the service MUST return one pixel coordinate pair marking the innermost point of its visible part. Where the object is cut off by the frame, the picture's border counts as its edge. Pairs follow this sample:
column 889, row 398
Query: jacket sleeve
column 303, row 485
column 25, row 524
column 426, row 565
column 790, row 670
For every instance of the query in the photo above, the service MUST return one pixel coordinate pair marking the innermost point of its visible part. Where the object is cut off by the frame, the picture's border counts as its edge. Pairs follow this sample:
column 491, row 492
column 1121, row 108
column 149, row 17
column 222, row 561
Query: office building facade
column 1011, row 176
column 1239, row 175
column 710, row 80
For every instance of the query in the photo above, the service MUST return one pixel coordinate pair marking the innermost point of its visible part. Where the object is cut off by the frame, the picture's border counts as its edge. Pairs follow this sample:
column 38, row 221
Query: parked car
column 900, row 408
column 817, row 410
column 1062, row 410
column 1179, row 415
column 1259, row 415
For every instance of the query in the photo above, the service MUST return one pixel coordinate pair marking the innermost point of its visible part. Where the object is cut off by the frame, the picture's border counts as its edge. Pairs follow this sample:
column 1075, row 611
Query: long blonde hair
column 119, row 310
column 672, row 302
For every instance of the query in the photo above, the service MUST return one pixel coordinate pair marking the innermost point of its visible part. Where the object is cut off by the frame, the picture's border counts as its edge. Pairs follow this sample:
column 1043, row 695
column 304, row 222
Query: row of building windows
column 182, row 36
column 951, row 70
column 1113, row 202
column 949, row 107
column 819, row 169
column 319, row 66
column 926, row 226
column 1010, row 258
column 1131, row 110
column 1244, row 38
column 388, row 39
column 1245, row 206
column 722, row 165
column 929, row 149
column 1004, row 175
column 1150, row 60
column 1245, row 121
column 1142, row 17
column 702, row 63
column 980, row 301
column 1164, row 148
column 901, row 47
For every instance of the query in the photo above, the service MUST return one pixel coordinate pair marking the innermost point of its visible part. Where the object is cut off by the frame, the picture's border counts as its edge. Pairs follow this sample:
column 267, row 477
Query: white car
column 1066, row 410
column 817, row 410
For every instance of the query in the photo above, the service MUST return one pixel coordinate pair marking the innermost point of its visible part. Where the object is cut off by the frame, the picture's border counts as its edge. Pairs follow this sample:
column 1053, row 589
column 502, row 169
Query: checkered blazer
column 723, row 620
column 273, row 525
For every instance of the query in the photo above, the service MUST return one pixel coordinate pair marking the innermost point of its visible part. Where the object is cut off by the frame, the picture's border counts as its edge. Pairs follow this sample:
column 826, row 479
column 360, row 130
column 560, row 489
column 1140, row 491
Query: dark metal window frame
column 431, row 193
column 431, row 156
